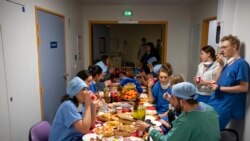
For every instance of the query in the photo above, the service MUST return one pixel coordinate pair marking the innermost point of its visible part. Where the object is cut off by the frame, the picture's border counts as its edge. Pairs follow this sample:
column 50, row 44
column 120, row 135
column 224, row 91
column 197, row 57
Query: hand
column 100, row 94
column 141, row 125
column 151, row 83
column 220, row 59
column 167, row 96
column 87, row 97
column 213, row 86
column 165, row 123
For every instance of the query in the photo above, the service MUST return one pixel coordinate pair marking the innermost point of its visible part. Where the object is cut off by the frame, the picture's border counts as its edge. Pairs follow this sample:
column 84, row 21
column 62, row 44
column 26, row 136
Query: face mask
column 207, row 63
column 164, row 86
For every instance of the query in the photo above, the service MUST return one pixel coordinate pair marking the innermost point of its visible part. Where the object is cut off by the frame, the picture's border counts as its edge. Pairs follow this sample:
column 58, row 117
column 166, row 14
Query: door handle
column 65, row 75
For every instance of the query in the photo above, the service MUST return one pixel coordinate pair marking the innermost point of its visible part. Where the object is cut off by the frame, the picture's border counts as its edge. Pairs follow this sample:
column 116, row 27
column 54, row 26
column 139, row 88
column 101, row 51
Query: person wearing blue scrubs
column 157, row 89
column 229, row 97
column 96, row 75
column 69, row 124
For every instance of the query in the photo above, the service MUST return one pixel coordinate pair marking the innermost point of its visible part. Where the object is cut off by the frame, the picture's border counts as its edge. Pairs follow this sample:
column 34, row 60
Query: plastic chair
column 229, row 135
column 40, row 131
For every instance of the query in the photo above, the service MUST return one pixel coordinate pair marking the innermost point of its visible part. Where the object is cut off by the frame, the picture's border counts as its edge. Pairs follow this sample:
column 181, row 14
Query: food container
column 119, row 110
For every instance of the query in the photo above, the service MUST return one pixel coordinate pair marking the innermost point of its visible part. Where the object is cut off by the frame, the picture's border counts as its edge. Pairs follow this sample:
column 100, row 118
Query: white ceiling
column 137, row 2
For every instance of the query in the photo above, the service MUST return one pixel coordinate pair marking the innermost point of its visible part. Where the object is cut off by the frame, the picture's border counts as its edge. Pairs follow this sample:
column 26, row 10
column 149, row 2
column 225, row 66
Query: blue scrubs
column 161, row 104
column 62, row 127
column 231, row 105
column 93, row 87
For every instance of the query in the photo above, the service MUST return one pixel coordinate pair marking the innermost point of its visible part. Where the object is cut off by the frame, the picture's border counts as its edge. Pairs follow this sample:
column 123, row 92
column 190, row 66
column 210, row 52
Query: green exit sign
column 127, row 13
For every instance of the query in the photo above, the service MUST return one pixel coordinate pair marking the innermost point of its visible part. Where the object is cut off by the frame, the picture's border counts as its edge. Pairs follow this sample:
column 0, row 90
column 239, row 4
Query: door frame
column 205, row 29
column 163, row 33
column 37, row 8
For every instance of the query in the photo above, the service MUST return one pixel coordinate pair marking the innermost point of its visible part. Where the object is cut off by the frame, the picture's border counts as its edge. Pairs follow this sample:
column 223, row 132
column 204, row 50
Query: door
column 51, row 49
column 193, row 52
column 4, row 118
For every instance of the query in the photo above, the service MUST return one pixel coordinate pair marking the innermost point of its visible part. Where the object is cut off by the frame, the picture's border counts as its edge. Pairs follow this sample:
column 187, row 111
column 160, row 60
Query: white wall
column 20, row 56
column 203, row 9
column 178, row 18
column 242, row 30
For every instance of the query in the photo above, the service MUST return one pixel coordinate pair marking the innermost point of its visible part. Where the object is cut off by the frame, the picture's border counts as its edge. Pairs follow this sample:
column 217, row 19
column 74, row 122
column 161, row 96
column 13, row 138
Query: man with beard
column 198, row 121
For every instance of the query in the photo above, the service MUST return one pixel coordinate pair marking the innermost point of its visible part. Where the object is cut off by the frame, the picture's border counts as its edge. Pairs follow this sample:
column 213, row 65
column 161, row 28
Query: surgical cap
column 184, row 90
column 157, row 68
column 75, row 86
column 103, row 66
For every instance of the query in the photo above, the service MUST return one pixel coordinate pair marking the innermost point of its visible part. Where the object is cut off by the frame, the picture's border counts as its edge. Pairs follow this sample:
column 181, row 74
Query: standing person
column 207, row 71
column 147, row 57
column 229, row 97
column 69, row 124
column 198, row 121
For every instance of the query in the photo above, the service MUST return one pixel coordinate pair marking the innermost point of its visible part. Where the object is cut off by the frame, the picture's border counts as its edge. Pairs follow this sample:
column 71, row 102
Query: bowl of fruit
column 130, row 89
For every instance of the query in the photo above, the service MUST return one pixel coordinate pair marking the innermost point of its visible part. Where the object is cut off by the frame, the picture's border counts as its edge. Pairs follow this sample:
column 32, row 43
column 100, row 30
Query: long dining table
column 118, row 124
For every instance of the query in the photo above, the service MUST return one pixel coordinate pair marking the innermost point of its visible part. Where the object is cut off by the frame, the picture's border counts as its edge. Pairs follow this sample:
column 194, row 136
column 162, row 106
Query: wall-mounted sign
column 53, row 44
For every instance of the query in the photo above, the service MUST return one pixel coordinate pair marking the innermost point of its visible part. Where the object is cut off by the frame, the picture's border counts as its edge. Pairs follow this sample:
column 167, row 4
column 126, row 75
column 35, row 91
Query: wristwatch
column 147, row 128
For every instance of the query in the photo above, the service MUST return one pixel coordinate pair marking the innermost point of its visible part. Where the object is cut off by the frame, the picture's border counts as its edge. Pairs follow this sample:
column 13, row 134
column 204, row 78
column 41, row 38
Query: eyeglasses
column 165, row 77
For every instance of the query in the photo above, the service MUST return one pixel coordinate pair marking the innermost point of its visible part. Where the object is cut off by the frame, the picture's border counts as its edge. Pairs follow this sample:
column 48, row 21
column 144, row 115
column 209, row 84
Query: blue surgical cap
column 184, row 90
column 103, row 66
column 75, row 86
column 157, row 68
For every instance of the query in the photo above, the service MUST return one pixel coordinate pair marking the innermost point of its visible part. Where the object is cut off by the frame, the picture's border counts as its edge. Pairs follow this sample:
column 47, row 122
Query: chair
column 229, row 135
column 40, row 131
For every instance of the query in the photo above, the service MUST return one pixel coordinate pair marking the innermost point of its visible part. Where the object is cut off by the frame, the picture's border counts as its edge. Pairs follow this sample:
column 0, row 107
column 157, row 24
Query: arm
column 150, row 93
column 84, row 124
column 221, row 66
column 218, row 73
column 242, row 87
column 93, row 112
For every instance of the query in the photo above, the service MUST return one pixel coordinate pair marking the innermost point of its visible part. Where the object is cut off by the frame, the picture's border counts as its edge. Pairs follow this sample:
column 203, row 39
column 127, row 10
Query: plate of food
column 156, row 123
column 90, row 137
column 113, row 124
column 135, row 138
column 104, row 131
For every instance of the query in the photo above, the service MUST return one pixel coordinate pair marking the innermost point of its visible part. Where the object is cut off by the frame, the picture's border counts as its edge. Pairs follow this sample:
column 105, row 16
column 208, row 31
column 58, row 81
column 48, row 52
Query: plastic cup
column 119, row 110
column 198, row 79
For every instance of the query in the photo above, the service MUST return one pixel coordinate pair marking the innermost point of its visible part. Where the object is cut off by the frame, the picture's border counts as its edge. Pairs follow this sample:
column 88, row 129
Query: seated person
column 157, row 89
column 198, row 121
column 69, row 124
